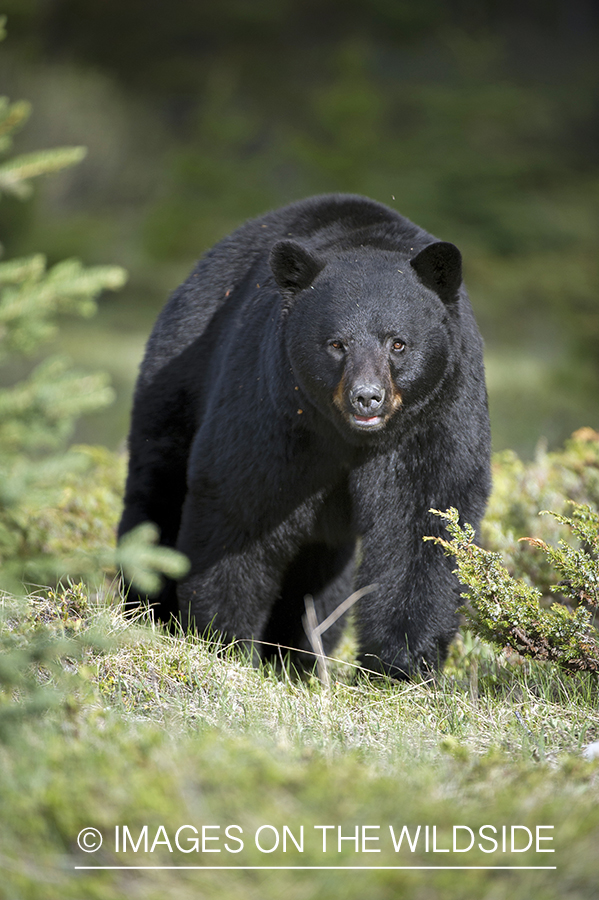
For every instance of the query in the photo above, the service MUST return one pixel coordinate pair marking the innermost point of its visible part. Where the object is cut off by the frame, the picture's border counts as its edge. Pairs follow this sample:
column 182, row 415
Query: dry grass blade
column 314, row 630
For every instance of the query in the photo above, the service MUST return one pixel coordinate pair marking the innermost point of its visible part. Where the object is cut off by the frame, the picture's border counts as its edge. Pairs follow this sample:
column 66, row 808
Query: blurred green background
column 478, row 120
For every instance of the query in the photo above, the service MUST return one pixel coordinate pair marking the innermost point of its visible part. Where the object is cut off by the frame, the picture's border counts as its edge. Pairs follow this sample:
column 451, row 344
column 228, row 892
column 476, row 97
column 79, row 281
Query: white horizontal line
column 346, row 868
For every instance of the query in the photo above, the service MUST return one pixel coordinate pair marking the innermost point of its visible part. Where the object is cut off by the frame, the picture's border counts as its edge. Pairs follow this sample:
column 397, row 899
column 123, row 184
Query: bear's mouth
column 368, row 421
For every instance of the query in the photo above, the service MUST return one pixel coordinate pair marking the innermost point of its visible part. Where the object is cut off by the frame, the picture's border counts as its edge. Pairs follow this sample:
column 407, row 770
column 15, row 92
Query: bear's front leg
column 233, row 581
column 405, row 626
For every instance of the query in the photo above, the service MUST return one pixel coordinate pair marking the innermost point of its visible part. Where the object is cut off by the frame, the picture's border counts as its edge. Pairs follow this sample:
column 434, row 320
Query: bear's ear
column 439, row 267
column 293, row 266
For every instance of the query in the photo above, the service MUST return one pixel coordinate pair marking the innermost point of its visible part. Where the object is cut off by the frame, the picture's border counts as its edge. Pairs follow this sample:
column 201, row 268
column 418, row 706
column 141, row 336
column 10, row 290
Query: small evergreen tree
column 58, row 506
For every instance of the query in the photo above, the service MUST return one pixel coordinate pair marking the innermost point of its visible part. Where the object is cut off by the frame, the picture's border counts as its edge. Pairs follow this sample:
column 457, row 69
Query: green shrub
column 522, row 490
column 507, row 612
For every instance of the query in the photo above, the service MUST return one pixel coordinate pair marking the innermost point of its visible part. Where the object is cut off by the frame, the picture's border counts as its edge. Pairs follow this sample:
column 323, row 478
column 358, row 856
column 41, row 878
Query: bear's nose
column 367, row 399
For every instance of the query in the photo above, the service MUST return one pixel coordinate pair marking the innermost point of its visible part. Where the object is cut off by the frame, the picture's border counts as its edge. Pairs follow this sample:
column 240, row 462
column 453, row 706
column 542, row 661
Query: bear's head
column 368, row 331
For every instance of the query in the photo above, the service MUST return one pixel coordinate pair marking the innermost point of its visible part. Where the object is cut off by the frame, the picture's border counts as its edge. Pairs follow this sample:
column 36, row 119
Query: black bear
column 306, row 396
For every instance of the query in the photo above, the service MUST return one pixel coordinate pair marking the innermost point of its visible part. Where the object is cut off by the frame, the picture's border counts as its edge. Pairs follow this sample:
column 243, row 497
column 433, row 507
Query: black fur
column 318, row 379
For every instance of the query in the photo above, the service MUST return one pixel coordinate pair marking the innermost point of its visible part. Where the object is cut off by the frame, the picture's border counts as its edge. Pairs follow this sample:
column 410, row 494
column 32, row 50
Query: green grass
column 107, row 722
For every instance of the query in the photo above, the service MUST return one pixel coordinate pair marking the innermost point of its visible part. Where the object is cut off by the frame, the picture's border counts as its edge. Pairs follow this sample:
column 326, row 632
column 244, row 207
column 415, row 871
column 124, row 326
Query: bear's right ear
column 293, row 266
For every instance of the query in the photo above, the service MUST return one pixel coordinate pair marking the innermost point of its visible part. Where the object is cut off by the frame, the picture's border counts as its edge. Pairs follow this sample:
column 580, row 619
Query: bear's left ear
column 294, row 266
column 439, row 267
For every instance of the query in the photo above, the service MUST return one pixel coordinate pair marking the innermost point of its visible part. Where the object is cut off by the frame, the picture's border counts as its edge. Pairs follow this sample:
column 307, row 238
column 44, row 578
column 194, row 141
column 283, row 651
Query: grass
column 109, row 722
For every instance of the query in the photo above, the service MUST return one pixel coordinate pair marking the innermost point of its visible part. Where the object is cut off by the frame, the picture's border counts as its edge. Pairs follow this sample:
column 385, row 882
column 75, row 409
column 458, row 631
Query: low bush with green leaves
column 507, row 612
column 522, row 490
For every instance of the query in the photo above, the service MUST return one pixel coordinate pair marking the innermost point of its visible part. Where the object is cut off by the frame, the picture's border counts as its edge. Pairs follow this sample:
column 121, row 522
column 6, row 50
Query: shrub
column 506, row 611
column 522, row 490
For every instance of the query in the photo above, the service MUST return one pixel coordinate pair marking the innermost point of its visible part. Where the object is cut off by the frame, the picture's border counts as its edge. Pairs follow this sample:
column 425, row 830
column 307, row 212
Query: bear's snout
column 367, row 399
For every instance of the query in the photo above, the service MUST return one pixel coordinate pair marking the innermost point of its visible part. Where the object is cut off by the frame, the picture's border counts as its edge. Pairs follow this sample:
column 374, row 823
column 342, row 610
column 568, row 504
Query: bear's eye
column 398, row 346
column 337, row 346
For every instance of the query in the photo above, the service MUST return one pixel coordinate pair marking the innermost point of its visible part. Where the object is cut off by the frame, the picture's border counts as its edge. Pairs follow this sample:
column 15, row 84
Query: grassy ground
column 110, row 724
